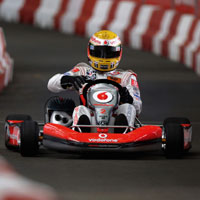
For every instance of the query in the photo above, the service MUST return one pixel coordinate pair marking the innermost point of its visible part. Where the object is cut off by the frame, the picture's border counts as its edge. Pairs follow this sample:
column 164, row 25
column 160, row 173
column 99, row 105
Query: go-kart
column 23, row 134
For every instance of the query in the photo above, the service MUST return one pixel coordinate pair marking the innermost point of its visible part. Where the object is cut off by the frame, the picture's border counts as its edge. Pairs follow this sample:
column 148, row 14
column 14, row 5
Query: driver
column 104, row 54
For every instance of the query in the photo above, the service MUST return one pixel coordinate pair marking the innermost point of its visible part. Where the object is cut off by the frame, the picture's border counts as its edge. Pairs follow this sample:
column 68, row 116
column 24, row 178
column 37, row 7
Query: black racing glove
column 125, row 96
column 69, row 81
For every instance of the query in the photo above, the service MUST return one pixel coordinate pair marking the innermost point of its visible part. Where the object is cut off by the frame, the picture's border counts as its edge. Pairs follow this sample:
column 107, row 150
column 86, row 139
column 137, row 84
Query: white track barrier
column 6, row 63
column 16, row 187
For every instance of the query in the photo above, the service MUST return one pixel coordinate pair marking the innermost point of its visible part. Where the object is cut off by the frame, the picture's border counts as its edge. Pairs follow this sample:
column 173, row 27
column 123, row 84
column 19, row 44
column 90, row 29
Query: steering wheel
column 94, row 82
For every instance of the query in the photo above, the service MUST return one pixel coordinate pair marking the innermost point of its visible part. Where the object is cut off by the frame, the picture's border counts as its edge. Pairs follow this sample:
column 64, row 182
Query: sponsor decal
column 95, row 40
column 102, row 130
column 92, row 47
column 115, row 42
column 103, row 111
column 103, row 140
column 75, row 69
column 137, row 96
column 102, row 96
column 103, row 104
column 14, row 136
column 103, row 135
column 91, row 75
column 134, row 83
column 104, row 66
column 105, row 42
column 118, row 80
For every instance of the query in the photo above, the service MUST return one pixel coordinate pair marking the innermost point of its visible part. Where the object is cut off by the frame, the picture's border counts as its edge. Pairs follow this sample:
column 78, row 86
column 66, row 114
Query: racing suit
column 124, row 78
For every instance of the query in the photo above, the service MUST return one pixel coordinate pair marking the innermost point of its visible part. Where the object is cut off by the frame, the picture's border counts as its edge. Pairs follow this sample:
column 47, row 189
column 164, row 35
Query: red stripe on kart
column 83, row 99
column 103, row 105
column 186, row 125
column 15, row 121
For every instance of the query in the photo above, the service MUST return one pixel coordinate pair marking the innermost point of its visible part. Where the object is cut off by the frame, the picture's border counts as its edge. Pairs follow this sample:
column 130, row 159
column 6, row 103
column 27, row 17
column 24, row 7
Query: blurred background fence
column 183, row 6
column 169, row 28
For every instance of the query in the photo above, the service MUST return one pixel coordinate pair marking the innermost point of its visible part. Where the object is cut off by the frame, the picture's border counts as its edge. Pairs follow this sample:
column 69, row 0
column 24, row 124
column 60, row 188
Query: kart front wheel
column 13, row 117
column 29, row 136
column 174, row 140
column 177, row 120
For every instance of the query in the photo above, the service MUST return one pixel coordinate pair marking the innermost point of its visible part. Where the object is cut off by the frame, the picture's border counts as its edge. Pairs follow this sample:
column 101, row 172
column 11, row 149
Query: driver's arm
column 69, row 80
column 54, row 83
column 133, row 88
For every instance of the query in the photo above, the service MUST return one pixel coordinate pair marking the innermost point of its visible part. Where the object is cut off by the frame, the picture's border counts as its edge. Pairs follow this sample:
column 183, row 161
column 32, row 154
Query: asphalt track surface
column 167, row 89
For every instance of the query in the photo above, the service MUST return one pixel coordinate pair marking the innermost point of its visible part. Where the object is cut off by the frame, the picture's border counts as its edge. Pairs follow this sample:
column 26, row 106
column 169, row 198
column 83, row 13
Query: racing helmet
column 104, row 51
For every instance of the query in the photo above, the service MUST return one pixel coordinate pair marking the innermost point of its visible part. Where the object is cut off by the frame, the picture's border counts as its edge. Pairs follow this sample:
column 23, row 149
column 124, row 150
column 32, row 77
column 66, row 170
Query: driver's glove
column 69, row 81
column 125, row 96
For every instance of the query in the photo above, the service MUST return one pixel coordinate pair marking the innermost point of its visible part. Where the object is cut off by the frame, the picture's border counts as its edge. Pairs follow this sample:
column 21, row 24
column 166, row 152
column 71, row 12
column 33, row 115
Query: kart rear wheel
column 29, row 135
column 18, row 117
column 174, row 144
column 14, row 117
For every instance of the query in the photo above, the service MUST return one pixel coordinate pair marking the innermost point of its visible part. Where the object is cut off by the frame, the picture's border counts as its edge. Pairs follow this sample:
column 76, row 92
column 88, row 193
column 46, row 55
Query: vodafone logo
column 102, row 96
column 102, row 135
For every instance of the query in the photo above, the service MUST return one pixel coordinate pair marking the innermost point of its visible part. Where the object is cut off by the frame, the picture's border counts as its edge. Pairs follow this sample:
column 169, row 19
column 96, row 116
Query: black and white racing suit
column 125, row 78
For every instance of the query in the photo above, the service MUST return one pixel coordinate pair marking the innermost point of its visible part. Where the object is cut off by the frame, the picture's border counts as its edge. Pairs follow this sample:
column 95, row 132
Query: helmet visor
column 104, row 51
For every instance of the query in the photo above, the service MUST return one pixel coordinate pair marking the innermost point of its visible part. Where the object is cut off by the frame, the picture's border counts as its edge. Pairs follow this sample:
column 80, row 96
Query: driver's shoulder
column 125, row 73
column 80, row 68
column 82, row 65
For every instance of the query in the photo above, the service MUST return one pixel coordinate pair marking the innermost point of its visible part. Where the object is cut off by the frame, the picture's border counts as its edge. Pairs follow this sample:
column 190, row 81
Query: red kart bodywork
column 14, row 132
column 140, row 136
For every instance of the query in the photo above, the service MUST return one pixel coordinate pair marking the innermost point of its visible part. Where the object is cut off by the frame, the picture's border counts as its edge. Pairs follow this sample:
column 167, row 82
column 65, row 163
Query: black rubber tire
column 29, row 134
column 14, row 117
column 177, row 120
column 174, row 140
column 18, row 117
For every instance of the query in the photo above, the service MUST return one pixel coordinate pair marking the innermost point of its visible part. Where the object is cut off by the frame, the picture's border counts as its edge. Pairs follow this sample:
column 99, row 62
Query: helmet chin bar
column 104, row 65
